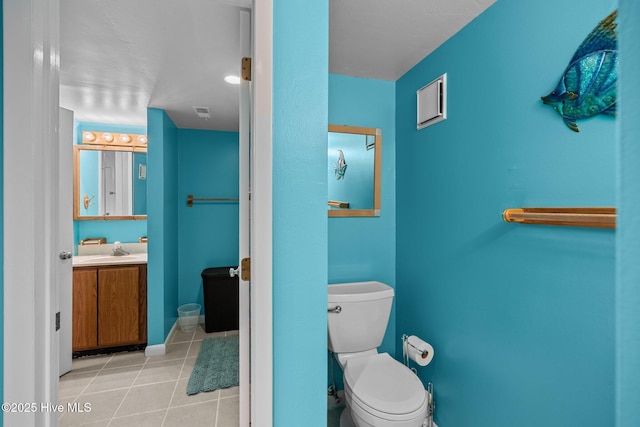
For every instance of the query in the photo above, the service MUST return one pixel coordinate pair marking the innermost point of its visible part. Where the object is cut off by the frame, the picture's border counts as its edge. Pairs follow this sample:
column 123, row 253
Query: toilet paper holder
column 423, row 353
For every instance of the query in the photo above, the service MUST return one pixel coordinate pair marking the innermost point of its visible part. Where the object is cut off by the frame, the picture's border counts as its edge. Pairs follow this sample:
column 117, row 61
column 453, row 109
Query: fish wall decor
column 588, row 84
column 340, row 168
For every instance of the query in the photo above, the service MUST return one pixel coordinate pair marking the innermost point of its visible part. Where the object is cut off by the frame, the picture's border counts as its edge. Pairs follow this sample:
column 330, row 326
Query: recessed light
column 234, row 80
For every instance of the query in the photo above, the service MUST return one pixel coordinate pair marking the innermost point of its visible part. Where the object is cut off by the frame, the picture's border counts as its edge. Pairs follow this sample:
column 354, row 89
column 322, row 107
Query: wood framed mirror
column 109, row 181
column 354, row 167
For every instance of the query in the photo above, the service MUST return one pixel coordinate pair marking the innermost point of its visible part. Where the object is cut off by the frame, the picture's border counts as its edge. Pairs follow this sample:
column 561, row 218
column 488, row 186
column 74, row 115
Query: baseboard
column 161, row 349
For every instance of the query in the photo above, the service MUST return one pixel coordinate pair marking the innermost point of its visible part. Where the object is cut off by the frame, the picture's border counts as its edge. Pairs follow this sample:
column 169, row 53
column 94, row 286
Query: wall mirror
column 354, row 167
column 110, row 181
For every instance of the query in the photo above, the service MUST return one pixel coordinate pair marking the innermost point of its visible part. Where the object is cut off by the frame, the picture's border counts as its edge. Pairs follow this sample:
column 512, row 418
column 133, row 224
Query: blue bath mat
column 333, row 416
column 216, row 366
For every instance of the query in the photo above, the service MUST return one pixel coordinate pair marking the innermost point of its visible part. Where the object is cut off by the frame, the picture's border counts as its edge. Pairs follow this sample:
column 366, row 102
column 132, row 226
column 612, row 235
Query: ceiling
column 118, row 57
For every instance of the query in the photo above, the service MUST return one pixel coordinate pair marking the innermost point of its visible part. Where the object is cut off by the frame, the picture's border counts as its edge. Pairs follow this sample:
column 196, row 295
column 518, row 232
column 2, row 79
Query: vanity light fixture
column 115, row 139
column 233, row 80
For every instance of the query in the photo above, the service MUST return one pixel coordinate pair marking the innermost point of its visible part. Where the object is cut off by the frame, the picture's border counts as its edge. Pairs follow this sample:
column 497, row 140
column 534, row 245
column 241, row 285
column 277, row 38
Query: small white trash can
column 188, row 316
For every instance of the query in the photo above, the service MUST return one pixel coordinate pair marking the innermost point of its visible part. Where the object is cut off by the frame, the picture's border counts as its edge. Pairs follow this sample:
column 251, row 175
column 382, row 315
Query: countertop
column 96, row 260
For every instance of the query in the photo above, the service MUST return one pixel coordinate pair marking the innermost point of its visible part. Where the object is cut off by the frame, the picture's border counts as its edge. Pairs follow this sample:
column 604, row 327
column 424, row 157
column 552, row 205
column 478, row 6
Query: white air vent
column 202, row 112
column 432, row 102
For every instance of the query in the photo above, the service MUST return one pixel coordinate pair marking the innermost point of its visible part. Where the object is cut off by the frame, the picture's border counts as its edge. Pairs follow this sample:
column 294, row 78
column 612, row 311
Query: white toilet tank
column 361, row 320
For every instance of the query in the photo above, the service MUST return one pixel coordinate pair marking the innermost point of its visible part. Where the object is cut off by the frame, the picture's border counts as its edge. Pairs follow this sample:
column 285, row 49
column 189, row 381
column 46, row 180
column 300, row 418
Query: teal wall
column 364, row 248
column 208, row 231
column 124, row 231
column 1, row 215
column 184, row 240
column 162, row 192
column 299, row 152
column 628, row 236
column 521, row 316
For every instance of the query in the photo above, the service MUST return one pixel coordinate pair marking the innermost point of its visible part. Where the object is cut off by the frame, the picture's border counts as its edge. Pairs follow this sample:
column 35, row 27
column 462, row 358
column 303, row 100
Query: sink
column 88, row 260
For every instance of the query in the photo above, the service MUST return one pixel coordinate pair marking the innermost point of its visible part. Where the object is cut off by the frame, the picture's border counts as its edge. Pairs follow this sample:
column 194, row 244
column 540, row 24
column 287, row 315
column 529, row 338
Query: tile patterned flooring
column 130, row 389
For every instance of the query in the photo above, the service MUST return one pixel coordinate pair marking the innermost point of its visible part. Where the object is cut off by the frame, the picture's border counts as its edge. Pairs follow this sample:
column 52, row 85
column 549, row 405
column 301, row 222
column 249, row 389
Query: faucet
column 117, row 249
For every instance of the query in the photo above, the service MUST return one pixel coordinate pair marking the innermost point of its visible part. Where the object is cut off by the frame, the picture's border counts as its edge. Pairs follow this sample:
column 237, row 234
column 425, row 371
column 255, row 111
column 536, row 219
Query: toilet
column 379, row 391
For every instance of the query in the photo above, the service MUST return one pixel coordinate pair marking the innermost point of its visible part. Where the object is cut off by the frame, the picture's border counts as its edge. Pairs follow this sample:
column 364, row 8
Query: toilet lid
column 384, row 384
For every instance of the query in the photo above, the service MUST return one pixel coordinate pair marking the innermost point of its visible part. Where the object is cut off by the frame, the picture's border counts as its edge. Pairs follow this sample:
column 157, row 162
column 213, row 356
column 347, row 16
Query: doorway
column 31, row 375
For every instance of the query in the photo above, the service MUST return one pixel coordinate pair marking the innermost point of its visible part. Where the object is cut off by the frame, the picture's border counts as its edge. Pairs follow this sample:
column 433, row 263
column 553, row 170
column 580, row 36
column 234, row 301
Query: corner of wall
column 627, row 343
column 161, row 225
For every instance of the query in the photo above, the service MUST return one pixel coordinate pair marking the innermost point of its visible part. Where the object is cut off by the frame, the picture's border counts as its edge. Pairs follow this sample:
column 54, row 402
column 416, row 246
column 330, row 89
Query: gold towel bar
column 191, row 199
column 576, row 217
column 93, row 241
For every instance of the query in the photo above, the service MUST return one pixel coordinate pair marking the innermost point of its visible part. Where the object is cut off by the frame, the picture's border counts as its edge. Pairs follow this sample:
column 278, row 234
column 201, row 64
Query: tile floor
column 130, row 389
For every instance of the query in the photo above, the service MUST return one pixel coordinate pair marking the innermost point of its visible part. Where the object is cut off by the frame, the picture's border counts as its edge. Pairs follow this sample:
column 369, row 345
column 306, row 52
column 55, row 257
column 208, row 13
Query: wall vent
column 432, row 102
column 202, row 112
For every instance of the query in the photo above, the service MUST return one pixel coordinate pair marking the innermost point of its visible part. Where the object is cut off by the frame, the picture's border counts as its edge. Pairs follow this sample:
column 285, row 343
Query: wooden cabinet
column 85, row 309
column 109, row 306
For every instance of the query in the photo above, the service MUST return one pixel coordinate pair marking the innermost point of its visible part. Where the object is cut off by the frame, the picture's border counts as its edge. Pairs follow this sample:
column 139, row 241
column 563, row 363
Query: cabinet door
column 85, row 305
column 118, row 306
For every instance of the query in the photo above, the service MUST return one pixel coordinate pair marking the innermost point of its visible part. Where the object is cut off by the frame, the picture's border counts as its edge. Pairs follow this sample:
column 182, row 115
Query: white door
column 65, row 238
column 261, row 298
column 31, row 67
column 256, row 361
column 244, row 230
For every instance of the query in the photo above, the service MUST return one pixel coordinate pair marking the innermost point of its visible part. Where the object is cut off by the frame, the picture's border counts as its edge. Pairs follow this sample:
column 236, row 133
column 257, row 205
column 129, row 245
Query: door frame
column 31, row 94
column 31, row 66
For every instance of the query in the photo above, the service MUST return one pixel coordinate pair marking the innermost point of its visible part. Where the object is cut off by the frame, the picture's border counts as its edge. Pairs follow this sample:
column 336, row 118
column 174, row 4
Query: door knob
column 65, row 255
column 243, row 270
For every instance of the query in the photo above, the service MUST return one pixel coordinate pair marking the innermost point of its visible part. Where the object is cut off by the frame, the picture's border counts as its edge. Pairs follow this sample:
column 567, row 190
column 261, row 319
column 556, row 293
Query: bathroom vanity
column 109, row 302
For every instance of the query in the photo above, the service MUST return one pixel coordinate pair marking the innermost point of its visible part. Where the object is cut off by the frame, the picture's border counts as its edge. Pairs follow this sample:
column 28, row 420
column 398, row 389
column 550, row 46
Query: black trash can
column 220, row 299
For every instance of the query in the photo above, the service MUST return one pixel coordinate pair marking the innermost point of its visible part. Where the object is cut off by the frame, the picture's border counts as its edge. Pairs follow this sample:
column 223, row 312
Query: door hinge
column 245, row 269
column 57, row 321
column 246, row 69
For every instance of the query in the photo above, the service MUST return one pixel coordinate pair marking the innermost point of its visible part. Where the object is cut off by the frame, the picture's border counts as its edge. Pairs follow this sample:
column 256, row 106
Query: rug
column 216, row 366
column 334, row 409
column 333, row 416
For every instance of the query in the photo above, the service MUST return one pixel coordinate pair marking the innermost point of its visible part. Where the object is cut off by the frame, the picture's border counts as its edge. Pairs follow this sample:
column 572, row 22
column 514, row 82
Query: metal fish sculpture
column 588, row 85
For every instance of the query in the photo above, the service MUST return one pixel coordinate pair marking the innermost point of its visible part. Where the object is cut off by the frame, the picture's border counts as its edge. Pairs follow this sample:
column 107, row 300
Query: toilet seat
column 384, row 389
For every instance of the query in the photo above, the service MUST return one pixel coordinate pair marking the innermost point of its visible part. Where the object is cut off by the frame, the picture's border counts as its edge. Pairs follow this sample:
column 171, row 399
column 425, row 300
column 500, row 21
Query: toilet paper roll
column 418, row 350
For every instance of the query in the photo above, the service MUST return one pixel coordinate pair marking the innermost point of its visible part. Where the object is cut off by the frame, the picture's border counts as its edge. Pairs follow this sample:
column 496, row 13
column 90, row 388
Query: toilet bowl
column 379, row 391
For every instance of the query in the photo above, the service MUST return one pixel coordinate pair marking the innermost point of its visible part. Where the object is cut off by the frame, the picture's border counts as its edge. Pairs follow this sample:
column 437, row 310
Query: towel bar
column 576, row 217
column 191, row 199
